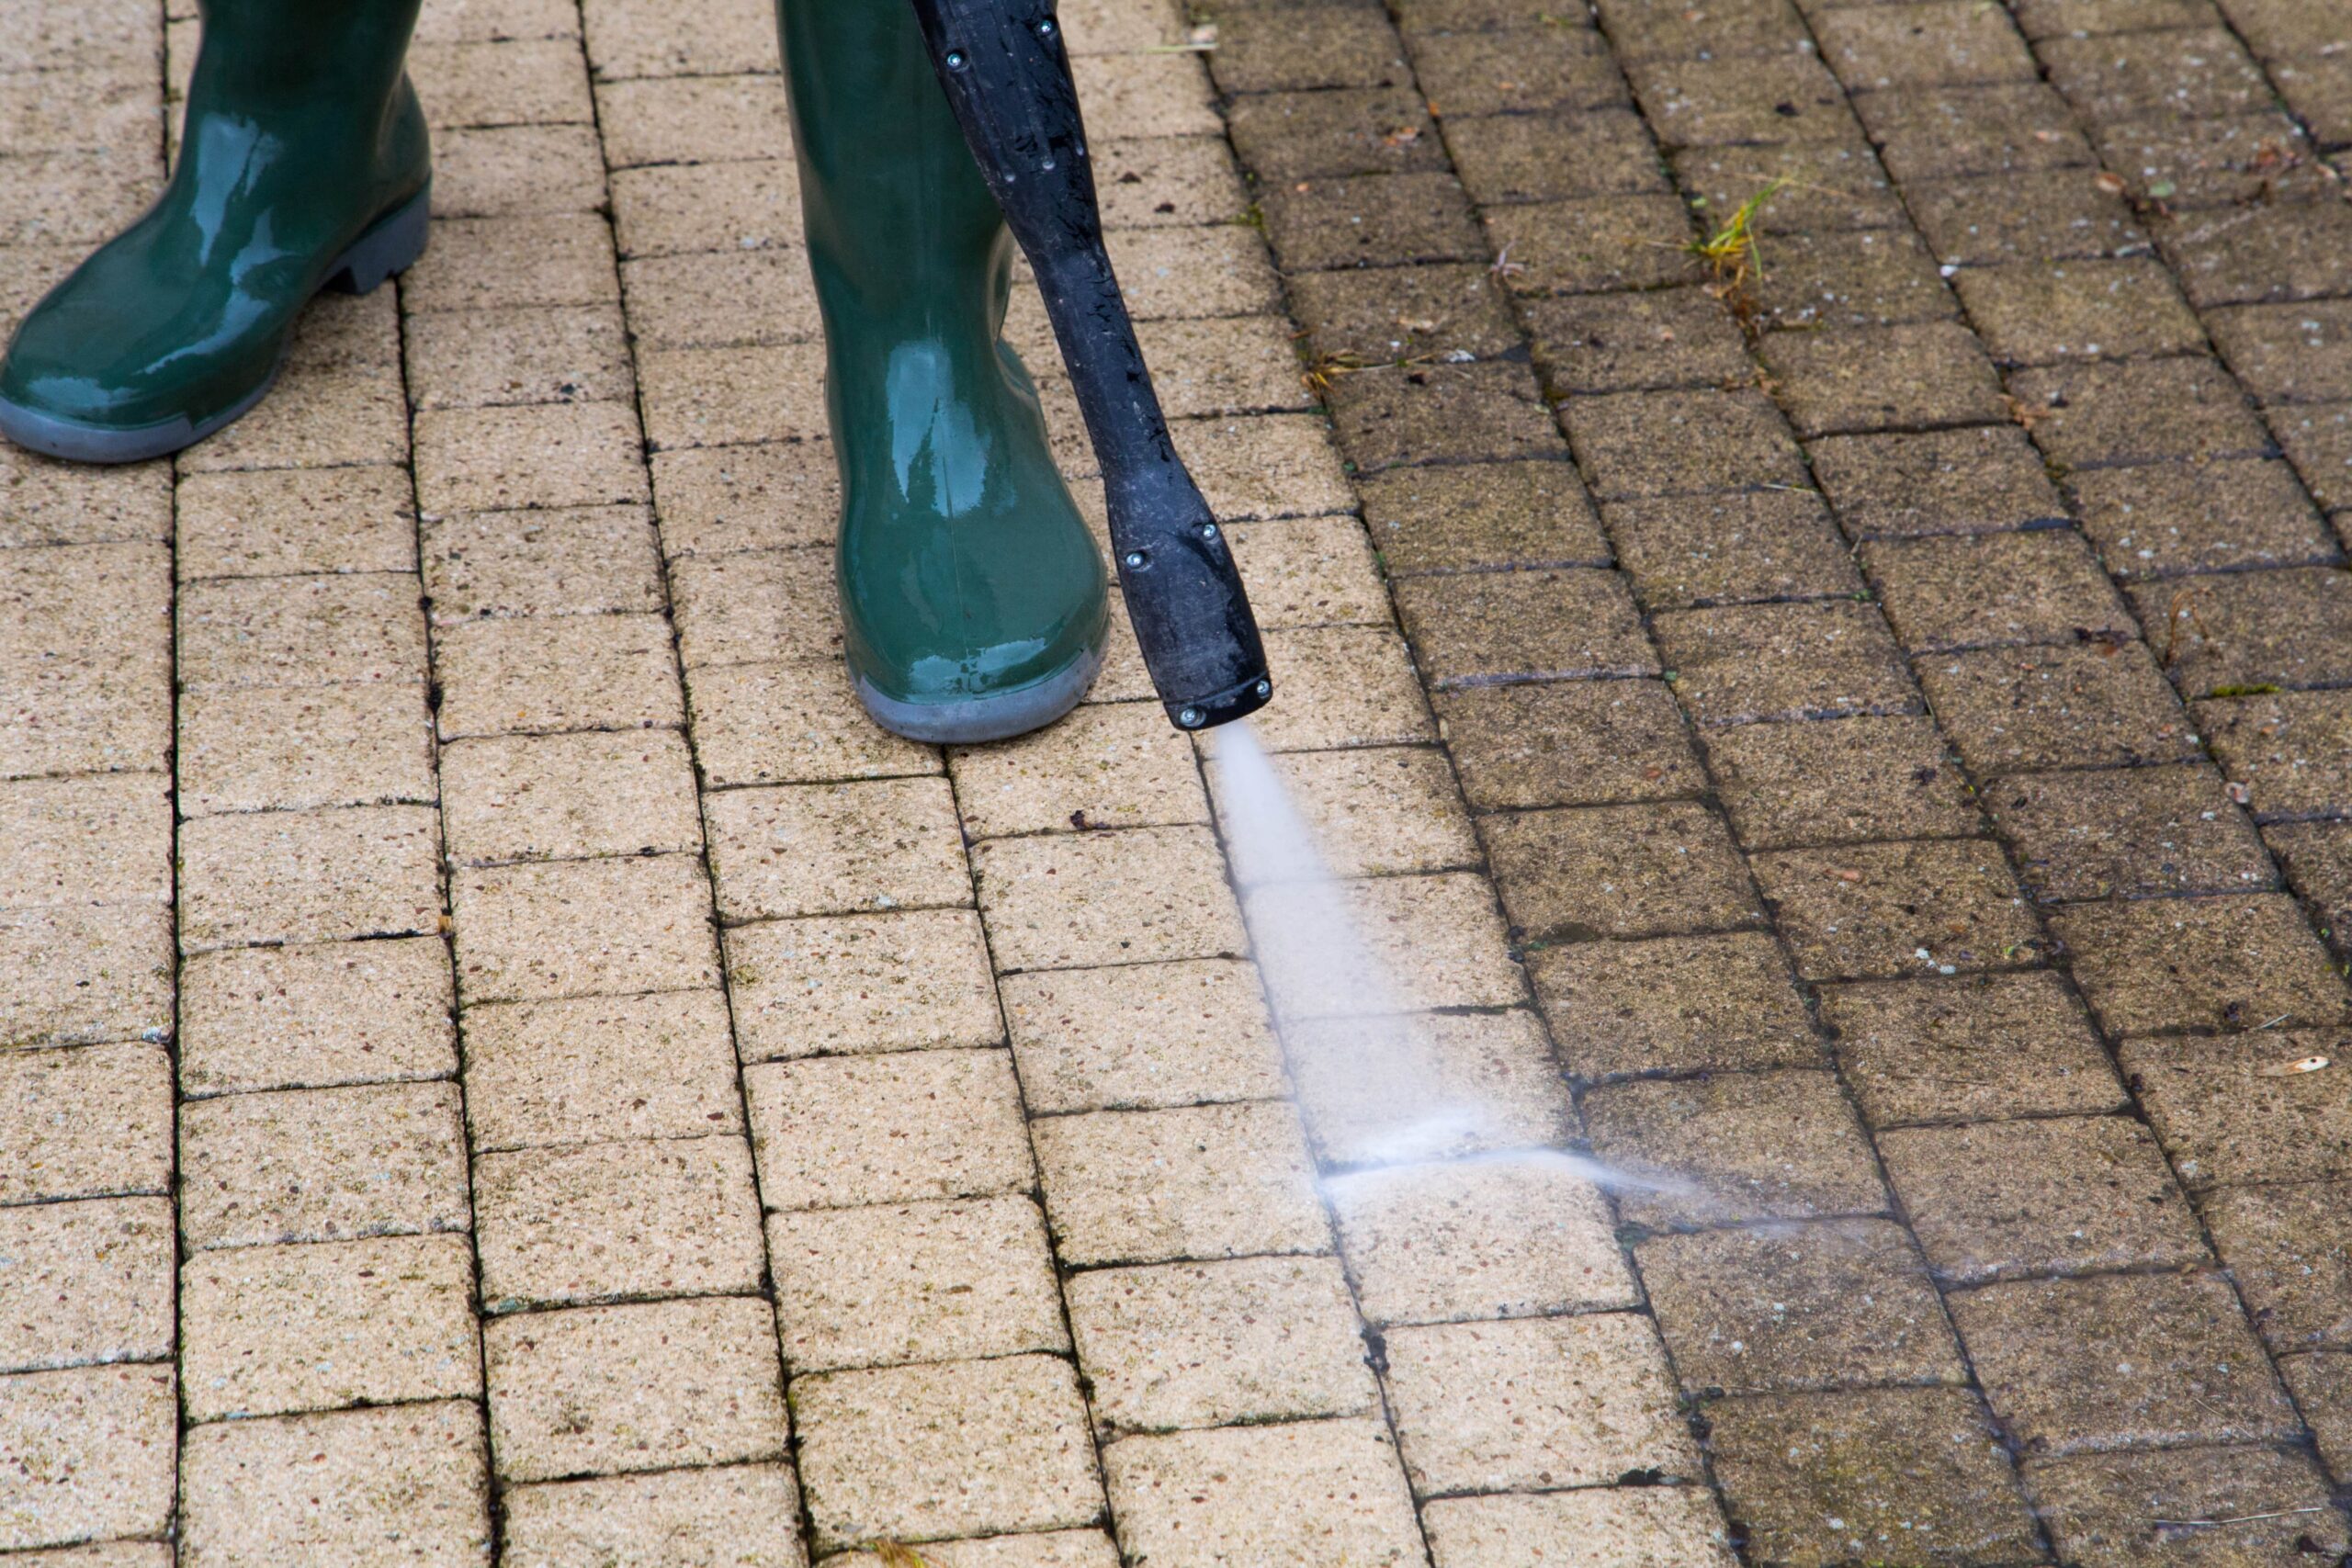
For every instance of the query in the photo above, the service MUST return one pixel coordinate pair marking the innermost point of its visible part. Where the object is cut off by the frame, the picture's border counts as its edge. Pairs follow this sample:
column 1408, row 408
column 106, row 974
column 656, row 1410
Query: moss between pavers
column 2317, row 859
column 1400, row 314
column 1746, row 663
column 1866, row 777
column 1713, row 102
column 2290, row 1249
column 1472, row 627
column 2052, row 707
column 1522, row 70
column 1871, row 278
column 2131, row 832
column 2101, row 1508
column 1697, row 550
column 1508, row 158
column 1411, row 414
column 2192, row 164
column 1593, row 243
column 1925, row 907
column 2233, row 630
column 1643, row 31
column 2040, row 215
column 1619, row 871
column 2061, row 1195
column 1647, row 443
column 2289, row 251
column 2290, row 752
column 1675, row 1004
column 2042, row 19
column 1935, row 43
column 2318, row 442
column 1568, row 743
column 1735, row 1146
column 1823, row 185
column 2119, row 1361
column 1299, row 47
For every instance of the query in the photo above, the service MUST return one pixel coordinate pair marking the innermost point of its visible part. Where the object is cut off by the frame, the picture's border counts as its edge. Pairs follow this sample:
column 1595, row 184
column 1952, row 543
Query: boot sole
column 390, row 246
column 982, row 719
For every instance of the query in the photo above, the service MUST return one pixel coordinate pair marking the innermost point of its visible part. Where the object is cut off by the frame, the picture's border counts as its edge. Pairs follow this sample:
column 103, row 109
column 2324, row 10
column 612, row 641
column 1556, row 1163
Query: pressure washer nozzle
column 1004, row 69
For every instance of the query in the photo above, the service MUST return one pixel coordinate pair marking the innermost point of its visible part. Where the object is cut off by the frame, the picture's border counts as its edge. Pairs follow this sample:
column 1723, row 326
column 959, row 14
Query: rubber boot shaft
column 974, row 601
column 303, row 160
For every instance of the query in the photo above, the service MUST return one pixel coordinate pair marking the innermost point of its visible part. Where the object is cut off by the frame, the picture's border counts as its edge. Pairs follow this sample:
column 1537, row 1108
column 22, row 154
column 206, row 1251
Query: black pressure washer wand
column 1008, row 76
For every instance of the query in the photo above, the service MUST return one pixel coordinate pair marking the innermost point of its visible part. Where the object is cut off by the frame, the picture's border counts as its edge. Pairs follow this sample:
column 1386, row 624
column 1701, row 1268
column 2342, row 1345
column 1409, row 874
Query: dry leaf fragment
column 2295, row 1068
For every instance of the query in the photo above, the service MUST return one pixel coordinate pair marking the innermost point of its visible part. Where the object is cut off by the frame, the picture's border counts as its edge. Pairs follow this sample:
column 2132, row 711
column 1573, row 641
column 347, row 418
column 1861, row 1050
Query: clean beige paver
column 731, row 1517
column 86, row 1282
column 309, row 875
column 1217, row 1343
column 1297, row 1492
column 85, row 975
column 535, row 932
column 887, row 1129
column 605, row 1222
column 90, row 1453
column 570, row 796
column 1142, row 1035
column 1208, row 1181
column 1536, row 1403
column 588, row 1069
column 85, row 1123
column 913, row 1282
column 1496, row 1237
column 335, row 1489
column 322, row 1164
column 646, row 1385
column 910, row 979
column 1633, row 1527
column 957, row 1447
column 828, row 848
column 1067, row 901
column 269, row 1330
column 310, row 1016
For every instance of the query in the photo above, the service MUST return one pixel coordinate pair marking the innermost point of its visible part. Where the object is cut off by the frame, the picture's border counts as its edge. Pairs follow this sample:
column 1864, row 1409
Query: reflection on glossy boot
column 303, row 164
column 973, row 599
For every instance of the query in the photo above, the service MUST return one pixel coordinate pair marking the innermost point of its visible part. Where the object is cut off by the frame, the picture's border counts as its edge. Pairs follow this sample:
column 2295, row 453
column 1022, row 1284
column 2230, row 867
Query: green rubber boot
column 972, row 595
column 303, row 165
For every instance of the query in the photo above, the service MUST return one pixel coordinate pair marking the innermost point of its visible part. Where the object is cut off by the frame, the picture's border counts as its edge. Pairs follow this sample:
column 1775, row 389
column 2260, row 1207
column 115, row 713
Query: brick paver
column 1858, row 740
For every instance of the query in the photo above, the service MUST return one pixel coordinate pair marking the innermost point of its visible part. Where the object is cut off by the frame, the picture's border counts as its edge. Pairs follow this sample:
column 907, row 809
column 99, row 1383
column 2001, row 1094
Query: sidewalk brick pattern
column 501, row 1063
